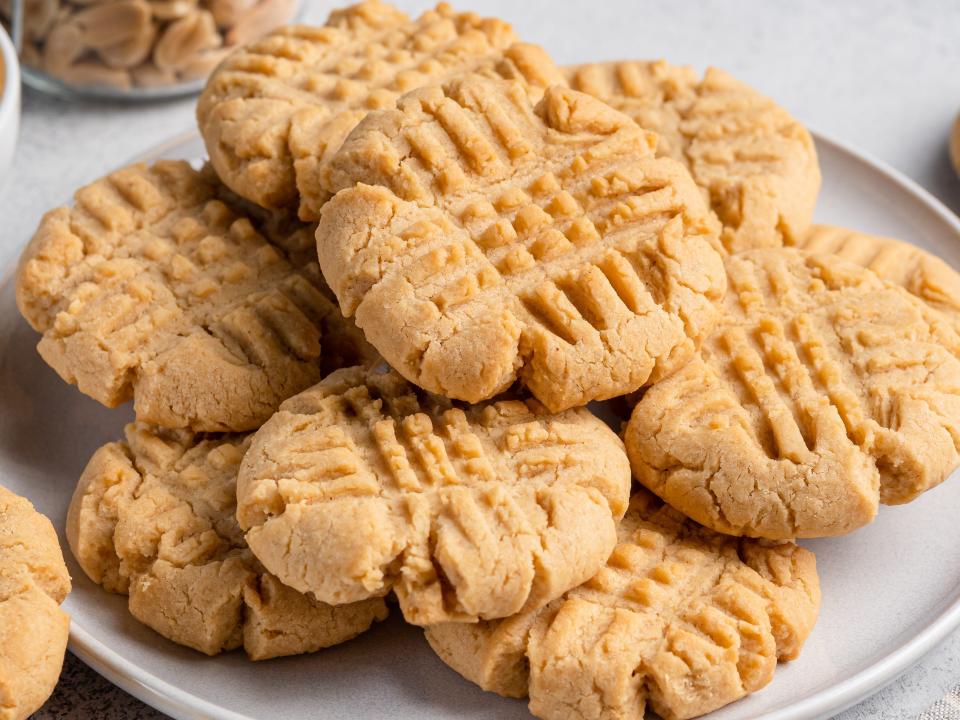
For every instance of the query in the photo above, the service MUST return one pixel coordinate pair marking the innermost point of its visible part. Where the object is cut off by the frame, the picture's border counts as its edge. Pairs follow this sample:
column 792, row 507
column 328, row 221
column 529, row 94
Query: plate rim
column 882, row 672
column 184, row 705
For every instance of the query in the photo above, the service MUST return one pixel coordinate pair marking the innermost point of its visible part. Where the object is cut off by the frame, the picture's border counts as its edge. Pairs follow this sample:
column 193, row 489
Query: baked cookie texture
column 920, row 273
column 757, row 164
column 156, row 285
column 33, row 627
column 274, row 112
column 680, row 618
column 821, row 392
column 359, row 486
column 499, row 240
column 153, row 517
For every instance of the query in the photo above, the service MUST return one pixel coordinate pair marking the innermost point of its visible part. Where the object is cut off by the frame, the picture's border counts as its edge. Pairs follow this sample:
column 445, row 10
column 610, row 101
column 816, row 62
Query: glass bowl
column 133, row 49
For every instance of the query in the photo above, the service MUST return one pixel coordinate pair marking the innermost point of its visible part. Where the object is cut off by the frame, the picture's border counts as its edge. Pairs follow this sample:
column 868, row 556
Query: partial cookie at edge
column 153, row 517
column 822, row 392
column 33, row 627
column 919, row 272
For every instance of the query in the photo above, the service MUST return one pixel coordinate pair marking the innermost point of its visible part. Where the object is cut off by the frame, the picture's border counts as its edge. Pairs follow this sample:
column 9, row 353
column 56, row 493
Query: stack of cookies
column 366, row 343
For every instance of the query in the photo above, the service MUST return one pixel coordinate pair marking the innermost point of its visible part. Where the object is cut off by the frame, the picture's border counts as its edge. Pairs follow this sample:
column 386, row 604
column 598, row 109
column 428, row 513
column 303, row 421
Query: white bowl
column 9, row 103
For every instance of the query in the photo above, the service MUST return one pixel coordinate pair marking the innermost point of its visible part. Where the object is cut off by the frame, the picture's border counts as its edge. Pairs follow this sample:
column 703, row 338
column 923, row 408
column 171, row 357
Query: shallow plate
column 890, row 591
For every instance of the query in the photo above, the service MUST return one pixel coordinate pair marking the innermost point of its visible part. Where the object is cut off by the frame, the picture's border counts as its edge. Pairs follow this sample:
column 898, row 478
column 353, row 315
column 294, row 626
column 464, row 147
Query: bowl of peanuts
column 137, row 49
column 9, row 102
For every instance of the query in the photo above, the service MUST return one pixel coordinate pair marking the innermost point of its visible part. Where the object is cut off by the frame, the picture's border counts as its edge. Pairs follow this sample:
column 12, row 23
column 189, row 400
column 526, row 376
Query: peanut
column 185, row 38
column 140, row 43
column 132, row 51
column 149, row 75
column 263, row 17
column 172, row 9
column 228, row 12
column 113, row 23
column 38, row 17
column 63, row 47
column 94, row 73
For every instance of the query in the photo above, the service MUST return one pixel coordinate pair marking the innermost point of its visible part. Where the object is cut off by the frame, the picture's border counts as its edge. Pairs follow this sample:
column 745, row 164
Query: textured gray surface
column 948, row 708
column 881, row 76
column 84, row 694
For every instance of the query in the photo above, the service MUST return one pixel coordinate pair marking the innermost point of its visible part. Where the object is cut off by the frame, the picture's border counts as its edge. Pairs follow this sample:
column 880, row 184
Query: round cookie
column 274, row 112
column 823, row 391
column 920, row 273
column 757, row 164
column 507, row 240
column 33, row 628
column 681, row 618
column 359, row 485
column 154, row 518
column 158, row 285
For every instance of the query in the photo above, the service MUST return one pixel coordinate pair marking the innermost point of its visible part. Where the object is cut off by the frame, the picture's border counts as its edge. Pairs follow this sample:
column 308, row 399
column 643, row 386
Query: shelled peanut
column 127, row 44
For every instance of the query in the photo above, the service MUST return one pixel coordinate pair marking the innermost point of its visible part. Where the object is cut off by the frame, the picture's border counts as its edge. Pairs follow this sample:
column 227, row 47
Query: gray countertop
column 883, row 76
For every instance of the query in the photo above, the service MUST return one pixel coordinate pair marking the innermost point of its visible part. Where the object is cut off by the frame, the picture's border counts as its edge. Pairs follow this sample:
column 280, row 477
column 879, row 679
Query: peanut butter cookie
column 919, row 272
column 755, row 161
column 505, row 240
column 33, row 628
column 359, row 485
column 681, row 618
column 156, row 285
column 823, row 391
column 275, row 112
column 154, row 518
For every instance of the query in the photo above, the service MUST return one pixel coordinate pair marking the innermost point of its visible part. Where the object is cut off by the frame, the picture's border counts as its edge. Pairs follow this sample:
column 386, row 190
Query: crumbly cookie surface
column 680, row 618
column 275, row 111
column 33, row 628
column 505, row 240
column 919, row 272
column 822, row 391
column 359, row 485
column 755, row 161
column 153, row 517
column 155, row 285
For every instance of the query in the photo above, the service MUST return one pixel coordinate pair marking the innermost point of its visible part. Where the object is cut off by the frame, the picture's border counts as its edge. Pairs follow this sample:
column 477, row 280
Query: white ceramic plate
column 890, row 591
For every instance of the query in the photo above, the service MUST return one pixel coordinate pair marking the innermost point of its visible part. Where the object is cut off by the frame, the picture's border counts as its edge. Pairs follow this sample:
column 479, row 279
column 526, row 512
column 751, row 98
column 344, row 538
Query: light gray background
column 882, row 75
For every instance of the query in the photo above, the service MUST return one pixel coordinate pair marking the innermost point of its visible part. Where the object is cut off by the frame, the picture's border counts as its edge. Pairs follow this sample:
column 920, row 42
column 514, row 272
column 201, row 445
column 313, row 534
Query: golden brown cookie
column 505, row 240
column 33, row 628
column 274, row 113
column 154, row 518
column 343, row 344
column 822, row 391
column 919, row 272
column 153, row 287
column 360, row 485
column 755, row 161
column 682, row 618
